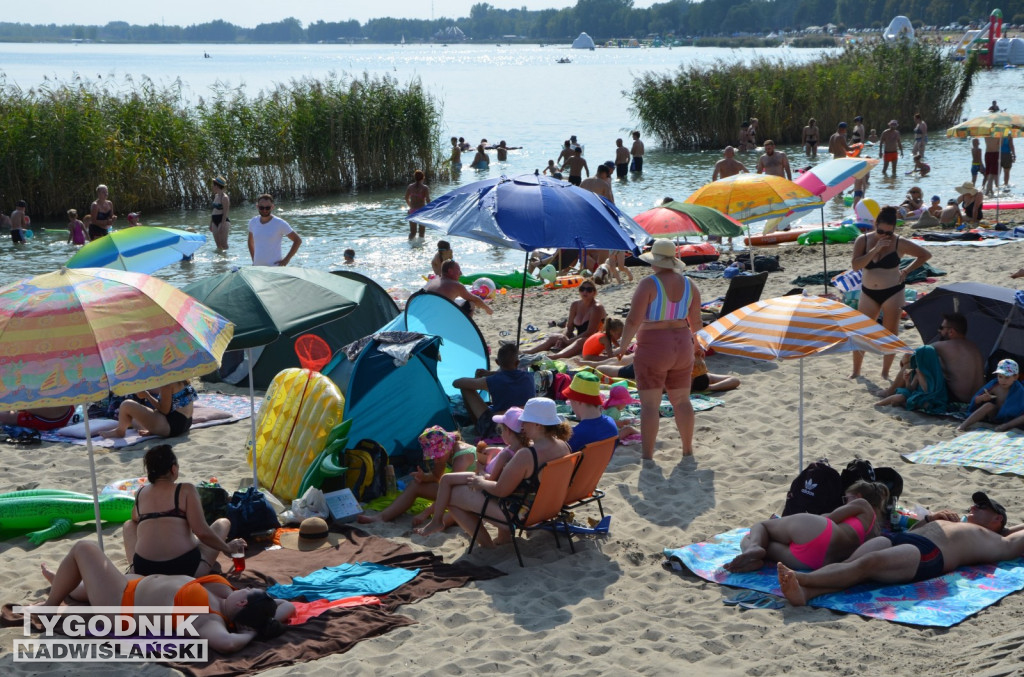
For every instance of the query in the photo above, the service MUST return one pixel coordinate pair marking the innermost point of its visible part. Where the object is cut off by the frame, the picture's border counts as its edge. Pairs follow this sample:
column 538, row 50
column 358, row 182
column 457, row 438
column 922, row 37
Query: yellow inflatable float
column 300, row 410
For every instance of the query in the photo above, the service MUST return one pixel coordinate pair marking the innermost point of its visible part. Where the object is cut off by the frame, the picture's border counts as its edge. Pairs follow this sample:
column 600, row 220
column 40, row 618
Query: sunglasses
column 884, row 232
column 264, row 208
column 588, row 289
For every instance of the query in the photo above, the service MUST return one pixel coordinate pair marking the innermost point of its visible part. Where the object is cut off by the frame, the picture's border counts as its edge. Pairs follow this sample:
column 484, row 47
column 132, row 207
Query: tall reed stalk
column 155, row 151
column 702, row 106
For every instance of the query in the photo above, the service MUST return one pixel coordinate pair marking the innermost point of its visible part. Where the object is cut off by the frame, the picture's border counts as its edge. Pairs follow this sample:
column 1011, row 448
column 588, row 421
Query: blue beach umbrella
column 529, row 212
column 142, row 249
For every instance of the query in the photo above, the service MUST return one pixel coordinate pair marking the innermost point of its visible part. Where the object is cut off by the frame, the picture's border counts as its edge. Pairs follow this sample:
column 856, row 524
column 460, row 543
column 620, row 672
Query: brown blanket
column 337, row 630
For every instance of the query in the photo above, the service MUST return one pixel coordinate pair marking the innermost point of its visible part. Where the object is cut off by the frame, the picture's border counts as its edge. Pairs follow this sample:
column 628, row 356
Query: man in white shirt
column 266, row 232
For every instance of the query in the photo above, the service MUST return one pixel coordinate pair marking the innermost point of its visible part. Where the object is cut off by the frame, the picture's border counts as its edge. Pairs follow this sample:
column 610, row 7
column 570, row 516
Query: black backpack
column 818, row 490
column 856, row 470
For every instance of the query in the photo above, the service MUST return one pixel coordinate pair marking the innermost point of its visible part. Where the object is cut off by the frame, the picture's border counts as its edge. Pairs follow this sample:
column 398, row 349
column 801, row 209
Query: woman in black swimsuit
column 176, row 540
column 102, row 213
column 220, row 224
column 878, row 254
column 521, row 474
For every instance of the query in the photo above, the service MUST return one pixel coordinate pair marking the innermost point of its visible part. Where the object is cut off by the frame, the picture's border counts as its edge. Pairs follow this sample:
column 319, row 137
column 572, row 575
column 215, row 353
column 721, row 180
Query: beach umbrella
column 993, row 125
column 792, row 327
column 71, row 336
column 142, row 249
column 268, row 302
column 830, row 178
column 754, row 197
column 529, row 212
column 674, row 219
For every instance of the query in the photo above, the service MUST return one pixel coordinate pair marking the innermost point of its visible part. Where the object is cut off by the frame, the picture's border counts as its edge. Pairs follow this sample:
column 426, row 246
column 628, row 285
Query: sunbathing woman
column 441, row 450
column 236, row 617
column 807, row 541
column 521, row 476
column 168, row 413
column 586, row 315
column 511, row 430
column 176, row 540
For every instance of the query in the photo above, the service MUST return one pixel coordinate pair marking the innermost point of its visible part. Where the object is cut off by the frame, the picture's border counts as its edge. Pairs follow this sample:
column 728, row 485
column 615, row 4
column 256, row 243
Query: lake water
column 516, row 93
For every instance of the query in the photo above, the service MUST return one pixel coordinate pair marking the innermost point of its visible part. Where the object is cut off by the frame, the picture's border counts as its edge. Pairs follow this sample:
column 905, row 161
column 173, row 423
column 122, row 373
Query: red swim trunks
column 890, row 157
column 30, row 420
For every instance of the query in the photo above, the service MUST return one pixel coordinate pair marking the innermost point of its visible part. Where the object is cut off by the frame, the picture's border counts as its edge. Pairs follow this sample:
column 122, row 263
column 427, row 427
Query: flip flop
column 745, row 596
column 765, row 602
column 530, row 329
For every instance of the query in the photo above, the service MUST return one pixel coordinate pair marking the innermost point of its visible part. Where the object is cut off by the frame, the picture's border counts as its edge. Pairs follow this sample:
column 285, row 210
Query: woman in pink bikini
column 807, row 541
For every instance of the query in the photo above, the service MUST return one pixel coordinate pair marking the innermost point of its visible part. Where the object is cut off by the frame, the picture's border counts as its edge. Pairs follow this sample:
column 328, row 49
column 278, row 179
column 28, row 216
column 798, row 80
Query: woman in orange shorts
column 664, row 308
column 236, row 617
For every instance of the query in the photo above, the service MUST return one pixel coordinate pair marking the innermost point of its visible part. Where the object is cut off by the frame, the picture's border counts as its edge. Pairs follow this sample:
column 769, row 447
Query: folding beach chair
column 743, row 290
column 594, row 459
column 547, row 504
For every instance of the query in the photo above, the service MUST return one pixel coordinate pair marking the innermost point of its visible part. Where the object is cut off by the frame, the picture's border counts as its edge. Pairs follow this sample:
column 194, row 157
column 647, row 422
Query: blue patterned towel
column 942, row 602
column 999, row 453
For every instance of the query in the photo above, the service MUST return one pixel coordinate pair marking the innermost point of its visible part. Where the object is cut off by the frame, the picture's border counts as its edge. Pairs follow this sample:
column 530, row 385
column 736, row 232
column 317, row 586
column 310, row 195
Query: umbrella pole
column 92, row 474
column 750, row 250
column 824, row 256
column 522, row 299
column 252, row 419
column 801, row 414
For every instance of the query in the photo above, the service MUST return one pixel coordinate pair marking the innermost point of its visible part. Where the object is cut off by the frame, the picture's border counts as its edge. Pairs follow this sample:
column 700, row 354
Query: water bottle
column 390, row 482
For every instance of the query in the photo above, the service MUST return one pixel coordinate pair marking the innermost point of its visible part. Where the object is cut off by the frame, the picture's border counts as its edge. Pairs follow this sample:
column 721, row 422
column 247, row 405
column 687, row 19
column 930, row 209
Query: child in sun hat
column 1000, row 401
column 614, row 406
column 442, row 451
column 584, row 396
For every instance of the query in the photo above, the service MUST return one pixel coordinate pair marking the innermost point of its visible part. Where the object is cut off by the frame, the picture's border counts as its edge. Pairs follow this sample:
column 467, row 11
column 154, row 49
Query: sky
column 251, row 12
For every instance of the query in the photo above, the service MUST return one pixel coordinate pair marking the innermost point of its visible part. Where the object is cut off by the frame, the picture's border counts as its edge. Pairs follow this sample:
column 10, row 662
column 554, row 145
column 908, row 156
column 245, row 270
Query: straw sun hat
column 313, row 534
column 663, row 255
column 966, row 188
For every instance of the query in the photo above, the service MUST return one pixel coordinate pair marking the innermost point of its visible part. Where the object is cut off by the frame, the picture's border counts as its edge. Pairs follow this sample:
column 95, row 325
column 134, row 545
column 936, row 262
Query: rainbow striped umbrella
column 830, row 178
column 754, row 197
column 142, row 249
column 72, row 336
column 797, row 326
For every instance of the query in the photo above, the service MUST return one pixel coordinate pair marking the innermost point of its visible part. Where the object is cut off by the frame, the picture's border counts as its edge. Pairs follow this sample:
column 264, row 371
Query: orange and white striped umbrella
column 795, row 326
column 790, row 327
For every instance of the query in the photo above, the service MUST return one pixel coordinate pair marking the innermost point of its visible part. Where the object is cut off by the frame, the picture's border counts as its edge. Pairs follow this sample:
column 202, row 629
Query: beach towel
column 1013, row 405
column 336, row 630
column 344, row 580
column 209, row 410
column 987, row 242
column 935, row 400
column 938, row 602
column 999, row 453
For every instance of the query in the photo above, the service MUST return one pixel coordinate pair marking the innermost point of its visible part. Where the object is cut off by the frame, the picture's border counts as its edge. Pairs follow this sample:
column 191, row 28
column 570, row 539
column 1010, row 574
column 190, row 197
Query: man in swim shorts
column 773, row 162
column 888, row 145
column 992, row 145
column 837, row 142
column 935, row 546
column 621, row 159
column 576, row 166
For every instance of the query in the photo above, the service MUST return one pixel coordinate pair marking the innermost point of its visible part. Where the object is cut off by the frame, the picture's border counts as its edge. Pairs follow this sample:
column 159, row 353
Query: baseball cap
column 1007, row 368
column 893, row 123
column 858, row 118
column 842, row 124
column 936, row 198
column 982, row 500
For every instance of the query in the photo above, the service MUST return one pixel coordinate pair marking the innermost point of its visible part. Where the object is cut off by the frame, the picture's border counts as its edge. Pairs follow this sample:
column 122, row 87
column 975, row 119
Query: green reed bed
column 155, row 151
column 702, row 106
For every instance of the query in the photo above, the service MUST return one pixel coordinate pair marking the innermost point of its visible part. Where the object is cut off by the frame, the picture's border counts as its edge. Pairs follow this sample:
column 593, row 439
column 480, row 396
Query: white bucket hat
column 540, row 410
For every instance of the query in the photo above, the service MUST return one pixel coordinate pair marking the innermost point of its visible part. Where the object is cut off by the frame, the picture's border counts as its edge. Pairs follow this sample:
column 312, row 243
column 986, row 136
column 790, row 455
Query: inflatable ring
column 565, row 282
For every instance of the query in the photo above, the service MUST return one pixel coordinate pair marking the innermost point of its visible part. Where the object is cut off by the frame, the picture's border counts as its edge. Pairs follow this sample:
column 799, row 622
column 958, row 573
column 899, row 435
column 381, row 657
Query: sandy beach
column 612, row 608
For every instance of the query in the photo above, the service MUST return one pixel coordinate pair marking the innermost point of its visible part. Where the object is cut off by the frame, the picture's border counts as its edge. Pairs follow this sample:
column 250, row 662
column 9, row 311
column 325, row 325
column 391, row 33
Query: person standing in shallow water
column 220, row 224
column 102, row 213
column 416, row 195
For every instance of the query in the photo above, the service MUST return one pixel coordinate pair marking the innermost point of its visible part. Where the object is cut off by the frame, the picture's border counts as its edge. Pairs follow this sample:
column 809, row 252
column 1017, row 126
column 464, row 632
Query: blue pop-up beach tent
column 391, row 400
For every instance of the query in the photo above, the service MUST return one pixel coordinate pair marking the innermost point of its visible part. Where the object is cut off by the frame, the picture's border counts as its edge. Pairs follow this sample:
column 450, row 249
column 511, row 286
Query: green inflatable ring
column 513, row 279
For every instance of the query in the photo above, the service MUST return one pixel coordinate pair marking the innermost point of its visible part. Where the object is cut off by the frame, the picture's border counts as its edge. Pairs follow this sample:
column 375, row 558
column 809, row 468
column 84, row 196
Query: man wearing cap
column 935, row 546
column 584, row 396
column 858, row 134
column 837, row 142
column 888, row 144
column 773, row 162
column 509, row 386
column 133, row 219
column 728, row 165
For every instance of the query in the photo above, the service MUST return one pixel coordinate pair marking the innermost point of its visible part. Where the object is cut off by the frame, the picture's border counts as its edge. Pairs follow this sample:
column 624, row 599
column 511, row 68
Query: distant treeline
column 703, row 105
column 602, row 19
column 309, row 137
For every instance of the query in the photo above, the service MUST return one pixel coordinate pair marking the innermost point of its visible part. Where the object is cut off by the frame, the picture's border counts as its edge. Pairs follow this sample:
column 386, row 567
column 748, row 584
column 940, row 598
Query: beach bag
column 818, row 489
column 214, row 499
column 857, row 469
column 763, row 263
column 366, row 475
column 893, row 481
column 250, row 513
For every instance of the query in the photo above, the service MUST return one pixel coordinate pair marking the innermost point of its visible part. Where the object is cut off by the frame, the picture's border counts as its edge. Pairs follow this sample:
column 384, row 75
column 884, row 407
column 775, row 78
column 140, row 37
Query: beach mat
column 998, row 453
column 937, row 602
column 337, row 630
column 236, row 406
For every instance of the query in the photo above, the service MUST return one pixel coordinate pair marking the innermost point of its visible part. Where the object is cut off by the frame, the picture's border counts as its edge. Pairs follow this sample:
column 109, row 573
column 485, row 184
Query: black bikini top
column 887, row 262
column 173, row 512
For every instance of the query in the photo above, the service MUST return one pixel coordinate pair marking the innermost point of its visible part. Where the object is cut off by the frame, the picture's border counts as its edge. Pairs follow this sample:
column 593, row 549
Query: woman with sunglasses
column 878, row 255
column 586, row 317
